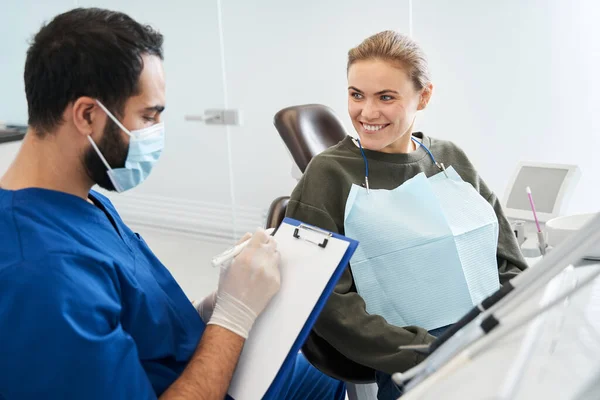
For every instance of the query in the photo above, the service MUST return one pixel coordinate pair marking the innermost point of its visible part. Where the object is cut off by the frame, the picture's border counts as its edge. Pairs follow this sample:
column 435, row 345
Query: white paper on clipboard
column 306, row 268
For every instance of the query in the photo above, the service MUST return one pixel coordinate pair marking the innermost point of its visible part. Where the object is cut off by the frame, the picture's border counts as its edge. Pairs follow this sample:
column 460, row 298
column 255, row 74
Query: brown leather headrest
column 307, row 130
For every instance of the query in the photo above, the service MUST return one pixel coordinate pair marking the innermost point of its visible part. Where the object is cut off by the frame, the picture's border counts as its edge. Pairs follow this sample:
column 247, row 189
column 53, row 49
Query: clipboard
column 312, row 261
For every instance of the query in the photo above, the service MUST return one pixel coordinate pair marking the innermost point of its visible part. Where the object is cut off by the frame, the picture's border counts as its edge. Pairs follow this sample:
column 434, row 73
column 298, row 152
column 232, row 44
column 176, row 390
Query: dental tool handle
column 419, row 391
column 542, row 242
column 471, row 315
column 532, row 204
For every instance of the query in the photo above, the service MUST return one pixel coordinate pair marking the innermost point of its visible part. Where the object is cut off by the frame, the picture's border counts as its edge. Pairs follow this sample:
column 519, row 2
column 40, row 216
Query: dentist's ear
column 425, row 96
column 84, row 114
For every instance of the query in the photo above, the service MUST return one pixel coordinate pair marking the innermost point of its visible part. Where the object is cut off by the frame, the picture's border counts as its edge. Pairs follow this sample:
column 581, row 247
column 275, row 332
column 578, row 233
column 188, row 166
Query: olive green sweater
column 347, row 342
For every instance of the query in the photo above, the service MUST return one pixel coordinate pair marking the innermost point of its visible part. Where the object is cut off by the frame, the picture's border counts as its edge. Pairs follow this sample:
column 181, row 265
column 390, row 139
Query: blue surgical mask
column 145, row 148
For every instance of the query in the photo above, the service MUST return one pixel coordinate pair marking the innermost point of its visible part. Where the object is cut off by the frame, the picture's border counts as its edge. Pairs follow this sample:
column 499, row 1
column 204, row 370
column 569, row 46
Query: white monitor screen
column 545, row 185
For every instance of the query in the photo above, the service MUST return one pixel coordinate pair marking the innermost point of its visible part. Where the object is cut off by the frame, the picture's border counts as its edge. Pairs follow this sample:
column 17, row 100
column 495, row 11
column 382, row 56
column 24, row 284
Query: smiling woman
column 388, row 83
column 434, row 240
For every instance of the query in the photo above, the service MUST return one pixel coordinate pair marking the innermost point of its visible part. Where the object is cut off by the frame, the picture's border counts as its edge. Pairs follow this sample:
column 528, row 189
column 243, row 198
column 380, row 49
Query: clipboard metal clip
column 321, row 244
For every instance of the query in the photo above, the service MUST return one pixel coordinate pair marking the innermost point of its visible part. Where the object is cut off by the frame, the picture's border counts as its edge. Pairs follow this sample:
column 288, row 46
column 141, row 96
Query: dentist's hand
column 206, row 306
column 247, row 285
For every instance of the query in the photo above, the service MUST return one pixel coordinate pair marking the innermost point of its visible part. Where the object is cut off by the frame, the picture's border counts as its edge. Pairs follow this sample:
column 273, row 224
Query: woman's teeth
column 373, row 128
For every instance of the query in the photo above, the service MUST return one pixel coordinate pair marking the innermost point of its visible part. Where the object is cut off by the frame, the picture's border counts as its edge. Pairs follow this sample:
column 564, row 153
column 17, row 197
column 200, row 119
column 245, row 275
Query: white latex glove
column 247, row 285
column 206, row 306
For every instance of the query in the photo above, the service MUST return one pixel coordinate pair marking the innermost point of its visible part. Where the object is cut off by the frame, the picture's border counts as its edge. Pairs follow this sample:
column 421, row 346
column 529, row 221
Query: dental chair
column 307, row 130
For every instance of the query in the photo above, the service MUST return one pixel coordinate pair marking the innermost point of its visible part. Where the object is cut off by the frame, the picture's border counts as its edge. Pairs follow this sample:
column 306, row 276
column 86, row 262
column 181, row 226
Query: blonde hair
column 398, row 49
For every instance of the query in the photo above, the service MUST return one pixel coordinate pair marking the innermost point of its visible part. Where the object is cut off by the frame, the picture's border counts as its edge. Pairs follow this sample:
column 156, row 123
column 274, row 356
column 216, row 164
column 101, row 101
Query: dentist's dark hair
column 85, row 52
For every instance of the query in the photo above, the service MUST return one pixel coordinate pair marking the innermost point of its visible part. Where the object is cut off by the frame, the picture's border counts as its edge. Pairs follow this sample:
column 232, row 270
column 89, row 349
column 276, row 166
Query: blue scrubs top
column 86, row 309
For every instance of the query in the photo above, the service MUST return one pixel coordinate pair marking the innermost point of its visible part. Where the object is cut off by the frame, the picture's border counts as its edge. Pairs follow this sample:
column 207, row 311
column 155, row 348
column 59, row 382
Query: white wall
column 25, row 19
column 7, row 153
column 190, row 188
column 20, row 21
column 281, row 53
column 271, row 55
column 514, row 80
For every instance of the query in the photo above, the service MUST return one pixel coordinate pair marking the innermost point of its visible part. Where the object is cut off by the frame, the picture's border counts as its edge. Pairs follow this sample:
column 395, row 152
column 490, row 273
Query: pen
column 229, row 254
